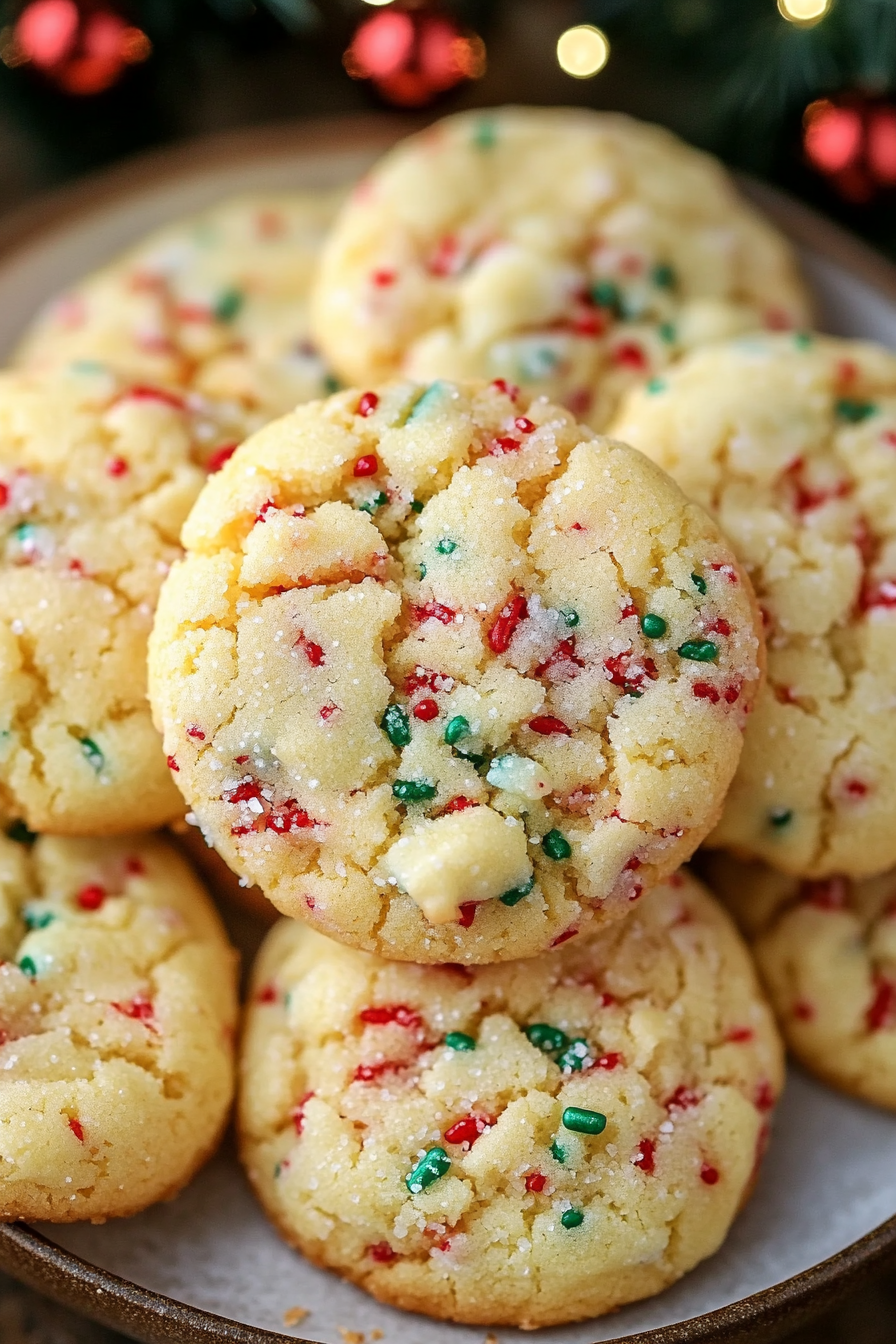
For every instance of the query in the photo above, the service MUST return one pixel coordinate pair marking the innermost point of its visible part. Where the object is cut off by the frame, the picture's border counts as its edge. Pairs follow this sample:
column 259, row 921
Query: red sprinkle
column 704, row 691
column 91, row 897
column 630, row 355
column 370, row 1073
column 298, row 1115
column 740, row 1035
column 524, row 424
column 731, row 694
column 856, row 788
column 882, row 1010
column 246, row 789
column 502, row 632
column 718, row 627
column 313, row 652
column 172, row 764
column 383, row 278
column 630, row 610
column 134, row 867
column 4, row 495
column 327, row 712
column 608, row 1000
column 535, row 1182
column 193, row 730
column 504, row 444
column 116, row 467
column 458, row 804
column 368, row 465
column 144, row 393
column 728, row 570
column 829, row 894
column 467, row 1129
column 803, row 1011
column 399, row 1013
column 709, row 1175
column 563, row 658
column 426, row 710
column 547, row 724
column 765, row 1097
column 422, row 678
column 382, row 1253
column 267, row 994
column 269, row 506
column 881, row 594
column 644, row 1158
column 683, row 1098
column 609, row 1061
column 435, row 611
column 76, row 1128
column 633, row 865
column 509, row 389
column 467, row 914
column 367, row 404
column 564, row 937
column 139, row 1008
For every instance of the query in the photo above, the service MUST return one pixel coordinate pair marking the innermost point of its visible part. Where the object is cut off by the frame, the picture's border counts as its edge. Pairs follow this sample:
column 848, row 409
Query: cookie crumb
column 491, row 1339
column 352, row 1336
column 375, row 1335
column 295, row 1315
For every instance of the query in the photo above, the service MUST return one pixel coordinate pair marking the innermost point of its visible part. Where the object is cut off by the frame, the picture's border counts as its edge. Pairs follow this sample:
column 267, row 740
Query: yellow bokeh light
column 804, row 12
column 582, row 51
column 378, row 2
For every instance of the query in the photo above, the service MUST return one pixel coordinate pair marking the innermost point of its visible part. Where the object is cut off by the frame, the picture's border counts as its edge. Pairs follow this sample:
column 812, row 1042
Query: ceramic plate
column 207, row 1266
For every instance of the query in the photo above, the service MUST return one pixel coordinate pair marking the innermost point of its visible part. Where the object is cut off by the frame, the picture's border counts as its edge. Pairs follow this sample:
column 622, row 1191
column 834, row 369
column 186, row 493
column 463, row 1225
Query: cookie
column 96, row 478
column 512, row 1145
column 826, row 949
column 117, row 1013
column 448, row 675
column 569, row 251
column 216, row 304
column 790, row 442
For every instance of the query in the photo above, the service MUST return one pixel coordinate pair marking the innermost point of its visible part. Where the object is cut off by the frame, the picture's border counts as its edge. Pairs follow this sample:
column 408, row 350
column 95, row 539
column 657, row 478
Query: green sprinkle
column 427, row 399
column 459, row 1040
column 653, row 626
column 657, row 385
column 37, row 919
column 485, row 135
column 664, row 276
column 546, row 1038
column 668, row 332
column 803, row 339
column 423, row 571
column 854, row 412
column 27, row 967
column 574, row 1056
column 699, row 583
column 780, row 817
column 93, row 754
column 556, row 845
column 570, row 617
column 413, row 790
column 18, row 831
column 376, row 502
column 558, row 1153
column 446, row 546
column 538, row 363
column 416, row 505
column 633, row 695
column 331, row 384
column 428, row 1170
column 277, row 1170
column 22, row 531
column 396, row 725
column 229, row 304
column 581, row 1121
column 87, row 366
column 698, row 650
column 572, row 1218
column 605, row 293
column 516, row 894
column 456, row 728
column 476, row 759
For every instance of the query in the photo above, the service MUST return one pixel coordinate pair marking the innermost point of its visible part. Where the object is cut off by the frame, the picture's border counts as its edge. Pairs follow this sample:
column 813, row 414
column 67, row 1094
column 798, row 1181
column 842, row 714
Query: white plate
column 830, row 1176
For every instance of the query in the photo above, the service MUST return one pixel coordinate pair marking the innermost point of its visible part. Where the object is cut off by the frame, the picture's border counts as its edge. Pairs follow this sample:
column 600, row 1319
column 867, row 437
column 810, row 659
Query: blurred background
column 802, row 92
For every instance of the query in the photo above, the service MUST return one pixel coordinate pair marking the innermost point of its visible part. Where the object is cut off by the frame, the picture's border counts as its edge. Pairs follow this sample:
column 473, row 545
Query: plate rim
column 30, row 1257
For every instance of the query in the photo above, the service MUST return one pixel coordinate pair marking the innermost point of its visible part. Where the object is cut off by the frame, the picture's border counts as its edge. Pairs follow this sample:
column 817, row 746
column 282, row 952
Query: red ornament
column 411, row 56
column 852, row 142
column 82, row 46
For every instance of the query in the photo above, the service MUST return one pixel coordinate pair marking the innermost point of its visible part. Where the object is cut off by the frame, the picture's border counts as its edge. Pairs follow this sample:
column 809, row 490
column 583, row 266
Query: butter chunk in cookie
column 117, row 1014
column 524, row 1144
column 403, row 606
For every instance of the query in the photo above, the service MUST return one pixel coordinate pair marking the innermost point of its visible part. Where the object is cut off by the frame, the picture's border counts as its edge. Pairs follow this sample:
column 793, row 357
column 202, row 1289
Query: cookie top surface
column 570, row 251
column 216, row 303
column 826, row 949
column 117, row 1008
column 96, row 478
column 790, row 443
column 522, row 1144
column 447, row 675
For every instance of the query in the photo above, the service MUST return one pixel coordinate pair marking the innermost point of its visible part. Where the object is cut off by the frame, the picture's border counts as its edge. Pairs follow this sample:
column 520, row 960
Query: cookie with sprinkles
column 826, row 950
column 571, row 252
column 96, row 478
column 216, row 303
column 117, row 1016
column 790, row 442
column 524, row 1144
column 448, row 675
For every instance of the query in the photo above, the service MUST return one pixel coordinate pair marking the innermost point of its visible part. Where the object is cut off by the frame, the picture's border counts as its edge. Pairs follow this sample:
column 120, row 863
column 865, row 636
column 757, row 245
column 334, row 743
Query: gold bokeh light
column 805, row 13
column 582, row 51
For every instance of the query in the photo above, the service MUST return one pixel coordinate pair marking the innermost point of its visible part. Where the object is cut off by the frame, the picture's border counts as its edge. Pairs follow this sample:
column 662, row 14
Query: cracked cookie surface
column 216, row 304
column 96, row 478
column 790, row 443
column 117, row 1012
column 447, row 675
column 826, row 949
column 512, row 1145
column 569, row 251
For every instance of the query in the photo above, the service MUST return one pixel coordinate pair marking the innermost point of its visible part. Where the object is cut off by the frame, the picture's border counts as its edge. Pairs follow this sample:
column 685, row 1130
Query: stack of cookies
column 580, row 569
